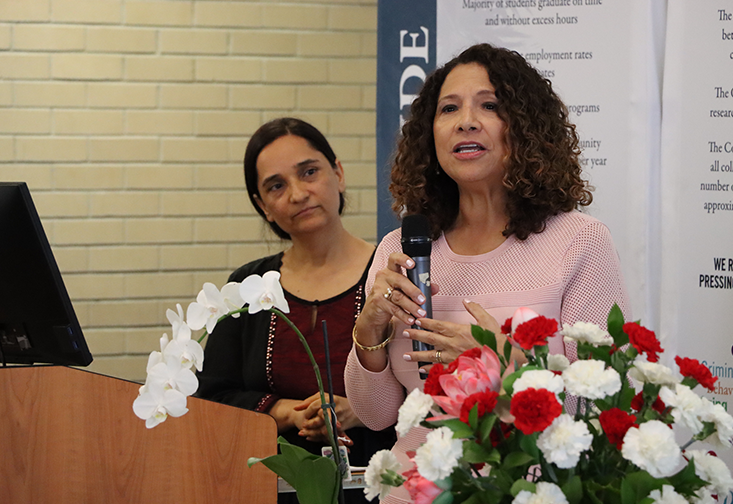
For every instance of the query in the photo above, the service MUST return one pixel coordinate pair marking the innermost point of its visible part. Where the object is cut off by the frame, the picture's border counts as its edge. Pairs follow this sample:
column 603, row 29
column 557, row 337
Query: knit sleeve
column 374, row 397
column 591, row 277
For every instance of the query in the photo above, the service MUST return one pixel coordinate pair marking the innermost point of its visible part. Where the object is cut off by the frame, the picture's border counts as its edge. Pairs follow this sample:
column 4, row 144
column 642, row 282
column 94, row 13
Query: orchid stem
column 245, row 309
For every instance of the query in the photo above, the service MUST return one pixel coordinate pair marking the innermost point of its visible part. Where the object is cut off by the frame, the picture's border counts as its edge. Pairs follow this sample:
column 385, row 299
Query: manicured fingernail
column 467, row 301
column 405, row 334
column 421, row 299
column 421, row 312
column 410, row 263
column 418, row 323
column 422, row 371
column 407, row 357
column 410, row 320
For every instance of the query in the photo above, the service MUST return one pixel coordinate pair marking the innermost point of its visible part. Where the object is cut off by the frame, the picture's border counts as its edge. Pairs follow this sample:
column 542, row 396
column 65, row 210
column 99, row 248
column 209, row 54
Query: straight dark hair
column 264, row 136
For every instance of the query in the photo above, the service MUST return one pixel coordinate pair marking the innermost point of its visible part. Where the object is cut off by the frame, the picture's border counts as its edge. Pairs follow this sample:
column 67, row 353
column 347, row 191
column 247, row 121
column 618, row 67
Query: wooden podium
column 70, row 436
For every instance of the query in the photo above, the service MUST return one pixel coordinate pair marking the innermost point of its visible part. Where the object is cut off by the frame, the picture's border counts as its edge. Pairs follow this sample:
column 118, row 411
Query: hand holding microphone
column 417, row 244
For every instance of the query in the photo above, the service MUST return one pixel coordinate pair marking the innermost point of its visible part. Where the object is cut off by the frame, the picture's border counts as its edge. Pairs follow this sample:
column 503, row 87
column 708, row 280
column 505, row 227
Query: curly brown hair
column 543, row 173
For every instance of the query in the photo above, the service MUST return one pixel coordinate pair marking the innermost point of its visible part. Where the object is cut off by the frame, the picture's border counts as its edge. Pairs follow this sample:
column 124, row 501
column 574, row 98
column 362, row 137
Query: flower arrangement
column 170, row 378
column 555, row 432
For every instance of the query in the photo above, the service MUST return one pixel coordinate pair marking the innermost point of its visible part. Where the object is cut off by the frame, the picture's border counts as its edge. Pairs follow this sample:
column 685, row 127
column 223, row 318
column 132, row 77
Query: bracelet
column 375, row 347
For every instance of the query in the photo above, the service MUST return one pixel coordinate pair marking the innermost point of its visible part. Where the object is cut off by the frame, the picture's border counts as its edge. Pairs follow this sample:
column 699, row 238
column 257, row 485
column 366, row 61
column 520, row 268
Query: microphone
column 417, row 244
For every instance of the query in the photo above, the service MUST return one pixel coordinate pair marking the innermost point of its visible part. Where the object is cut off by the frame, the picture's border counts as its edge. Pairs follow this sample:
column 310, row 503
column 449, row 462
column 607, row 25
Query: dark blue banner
column 405, row 55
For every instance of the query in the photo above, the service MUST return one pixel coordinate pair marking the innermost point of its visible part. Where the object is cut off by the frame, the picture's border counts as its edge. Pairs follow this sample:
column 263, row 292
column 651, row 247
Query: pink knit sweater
column 570, row 272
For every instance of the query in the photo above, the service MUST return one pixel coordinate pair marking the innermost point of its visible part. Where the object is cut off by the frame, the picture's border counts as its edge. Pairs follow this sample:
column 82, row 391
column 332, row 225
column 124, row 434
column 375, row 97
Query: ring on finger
column 438, row 358
column 388, row 294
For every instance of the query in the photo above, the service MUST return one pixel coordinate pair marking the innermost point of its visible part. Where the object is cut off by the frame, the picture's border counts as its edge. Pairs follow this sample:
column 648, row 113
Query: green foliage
column 484, row 337
column 315, row 478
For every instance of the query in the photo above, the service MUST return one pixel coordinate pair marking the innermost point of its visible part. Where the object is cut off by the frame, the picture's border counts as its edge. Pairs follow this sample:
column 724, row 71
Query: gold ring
column 388, row 294
column 438, row 359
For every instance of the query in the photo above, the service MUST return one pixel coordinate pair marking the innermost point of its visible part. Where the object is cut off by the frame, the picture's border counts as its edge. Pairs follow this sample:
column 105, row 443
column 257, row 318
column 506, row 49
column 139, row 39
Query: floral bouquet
column 556, row 432
column 170, row 378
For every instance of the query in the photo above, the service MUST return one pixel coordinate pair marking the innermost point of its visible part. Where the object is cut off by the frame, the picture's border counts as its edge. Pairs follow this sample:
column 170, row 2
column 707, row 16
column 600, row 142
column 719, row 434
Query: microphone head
column 416, row 241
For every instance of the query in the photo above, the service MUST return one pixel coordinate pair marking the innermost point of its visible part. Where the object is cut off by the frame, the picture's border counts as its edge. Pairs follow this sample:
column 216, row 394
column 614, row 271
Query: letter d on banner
column 405, row 55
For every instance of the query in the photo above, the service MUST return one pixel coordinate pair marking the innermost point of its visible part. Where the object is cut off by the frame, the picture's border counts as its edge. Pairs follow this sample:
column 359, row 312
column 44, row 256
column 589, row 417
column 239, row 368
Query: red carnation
column 486, row 403
column 473, row 353
column 535, row 332
column 534, row 409
column 644, row 340
column 693, row 369
column 432, row 384
column 638, row 402
column 507, row 327
column 615, row 422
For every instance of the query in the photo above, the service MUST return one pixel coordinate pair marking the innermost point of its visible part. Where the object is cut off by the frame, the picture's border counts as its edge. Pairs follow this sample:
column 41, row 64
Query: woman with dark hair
column 489, row 156
column 296, row 183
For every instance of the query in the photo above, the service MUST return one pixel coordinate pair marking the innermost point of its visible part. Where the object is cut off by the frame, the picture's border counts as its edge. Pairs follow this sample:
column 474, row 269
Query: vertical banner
column 697, row 178
column 405, row 55
column 600, row 56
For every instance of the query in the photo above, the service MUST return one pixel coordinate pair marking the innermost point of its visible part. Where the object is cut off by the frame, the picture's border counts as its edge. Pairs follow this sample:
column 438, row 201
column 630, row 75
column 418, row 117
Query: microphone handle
column 422, row 270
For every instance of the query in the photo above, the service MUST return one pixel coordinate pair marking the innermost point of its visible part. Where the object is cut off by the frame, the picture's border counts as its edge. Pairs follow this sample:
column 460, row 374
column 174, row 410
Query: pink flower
column 472, row 375
column 422, row 491
column 521, row 316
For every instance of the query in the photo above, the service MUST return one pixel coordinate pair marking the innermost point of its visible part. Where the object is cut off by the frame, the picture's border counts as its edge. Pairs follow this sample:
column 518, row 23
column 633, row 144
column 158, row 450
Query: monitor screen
column 37, row 320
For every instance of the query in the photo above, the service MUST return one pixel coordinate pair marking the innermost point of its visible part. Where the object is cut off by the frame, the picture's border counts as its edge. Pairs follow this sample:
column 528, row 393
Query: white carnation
column 539, row 379
column 703, row 496
column 686, row 406
column 413, row 411
column 439, row 455
column 716, row 414
column 564, row 440
column 557, row 362
column 713, row 470
column 590, row 379
column 652, row 447
column 651, row 372
column 545, row 493
column 587, row 333
column 381, row 462
column 667, row 496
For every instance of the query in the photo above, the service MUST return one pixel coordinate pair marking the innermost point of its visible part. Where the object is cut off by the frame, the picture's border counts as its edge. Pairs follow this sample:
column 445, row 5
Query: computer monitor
column 37, row 320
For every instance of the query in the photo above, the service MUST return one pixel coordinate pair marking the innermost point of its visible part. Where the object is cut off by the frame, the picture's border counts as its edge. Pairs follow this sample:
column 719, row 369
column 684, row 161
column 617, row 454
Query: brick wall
column 128, row 120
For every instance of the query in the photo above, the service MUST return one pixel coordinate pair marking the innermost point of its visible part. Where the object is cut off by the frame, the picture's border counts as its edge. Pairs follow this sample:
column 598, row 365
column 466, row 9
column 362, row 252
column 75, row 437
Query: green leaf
column 522, row 484
column 529, row 445
column 317, row 481
column 473, row 417
column 516, row 459
column 573, row 490
column 484, row 336
column 686, row 481
column 444, row 498
column 474, row 453
column 507, row 351
column 508, row 383
column 487, row 423
column 637, row 485
column 460, row 429
column 615, row 324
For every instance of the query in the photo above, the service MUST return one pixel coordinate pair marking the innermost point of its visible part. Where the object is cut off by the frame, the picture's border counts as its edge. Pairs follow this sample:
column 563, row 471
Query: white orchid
column 188, row 351
column 171, row 375
column 155, row 403
column 208, row 308
column 263, row 292
column 232, row 297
